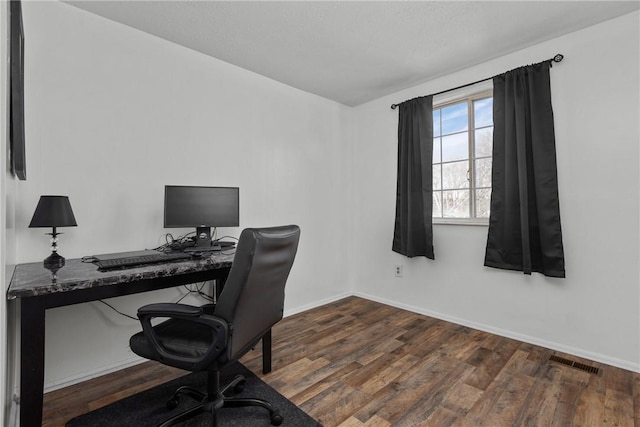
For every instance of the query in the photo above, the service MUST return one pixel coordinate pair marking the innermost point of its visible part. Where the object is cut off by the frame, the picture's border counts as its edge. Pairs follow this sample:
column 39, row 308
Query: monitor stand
column 203, row 240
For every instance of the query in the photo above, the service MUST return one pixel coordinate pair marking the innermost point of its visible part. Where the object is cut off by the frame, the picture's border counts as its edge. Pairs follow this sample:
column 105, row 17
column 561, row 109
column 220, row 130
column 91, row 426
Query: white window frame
column 477, row 91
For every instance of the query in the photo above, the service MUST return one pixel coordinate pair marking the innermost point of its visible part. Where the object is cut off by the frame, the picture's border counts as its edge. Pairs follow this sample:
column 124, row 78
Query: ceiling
column 356, row 51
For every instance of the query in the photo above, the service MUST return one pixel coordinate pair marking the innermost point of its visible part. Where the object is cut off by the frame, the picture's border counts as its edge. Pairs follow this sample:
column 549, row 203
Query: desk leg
column 219, row 286
column 31, row 361
column 266, row 352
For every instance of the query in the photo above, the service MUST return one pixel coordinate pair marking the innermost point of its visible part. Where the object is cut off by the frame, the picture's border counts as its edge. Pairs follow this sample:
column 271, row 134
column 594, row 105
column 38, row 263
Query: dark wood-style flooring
column 360, row 363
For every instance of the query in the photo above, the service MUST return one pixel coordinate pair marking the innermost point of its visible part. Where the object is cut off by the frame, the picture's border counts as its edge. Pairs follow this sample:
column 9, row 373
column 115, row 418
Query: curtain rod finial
column 559, row 57
column 394, row 106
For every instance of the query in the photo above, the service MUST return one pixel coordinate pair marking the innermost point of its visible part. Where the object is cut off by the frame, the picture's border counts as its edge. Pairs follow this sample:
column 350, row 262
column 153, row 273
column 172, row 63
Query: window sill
column 461, row 221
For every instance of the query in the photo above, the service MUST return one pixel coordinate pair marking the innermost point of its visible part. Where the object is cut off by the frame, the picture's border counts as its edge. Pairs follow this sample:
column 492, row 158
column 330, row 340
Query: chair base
column 213, row 402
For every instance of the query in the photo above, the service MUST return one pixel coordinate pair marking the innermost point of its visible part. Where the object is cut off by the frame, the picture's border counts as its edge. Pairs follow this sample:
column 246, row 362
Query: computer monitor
column 202, row 208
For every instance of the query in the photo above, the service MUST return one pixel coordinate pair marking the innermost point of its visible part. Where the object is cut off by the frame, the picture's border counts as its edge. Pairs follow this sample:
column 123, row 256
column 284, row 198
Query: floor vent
column 577, row 365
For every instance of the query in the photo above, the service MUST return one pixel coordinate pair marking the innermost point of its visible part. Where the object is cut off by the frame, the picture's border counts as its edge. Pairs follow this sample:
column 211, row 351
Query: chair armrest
column 169, row 310
column 188, row 313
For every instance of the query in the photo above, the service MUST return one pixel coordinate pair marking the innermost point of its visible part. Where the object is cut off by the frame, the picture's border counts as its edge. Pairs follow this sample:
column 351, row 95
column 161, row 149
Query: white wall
column 7, row 237
column 114, row 114
column 595, row 311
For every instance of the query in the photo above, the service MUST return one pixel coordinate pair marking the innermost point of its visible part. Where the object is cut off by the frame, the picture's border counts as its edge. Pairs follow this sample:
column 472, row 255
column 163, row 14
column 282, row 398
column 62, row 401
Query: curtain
column 413, row 232
column 524, row 224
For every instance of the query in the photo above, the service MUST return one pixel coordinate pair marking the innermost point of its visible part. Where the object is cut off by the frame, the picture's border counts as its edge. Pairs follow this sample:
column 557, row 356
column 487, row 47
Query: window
column 462, row 147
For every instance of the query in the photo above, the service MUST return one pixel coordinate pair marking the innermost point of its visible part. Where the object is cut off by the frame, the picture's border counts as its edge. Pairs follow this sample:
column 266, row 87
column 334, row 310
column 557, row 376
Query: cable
column 197, row 291
column 176, row 244
column 189, row 292
column 205, row 296
column 225, row 237
column 119, row 312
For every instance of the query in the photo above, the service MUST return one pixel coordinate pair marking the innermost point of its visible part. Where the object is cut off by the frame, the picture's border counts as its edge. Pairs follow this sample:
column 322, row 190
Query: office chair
column 210, row 337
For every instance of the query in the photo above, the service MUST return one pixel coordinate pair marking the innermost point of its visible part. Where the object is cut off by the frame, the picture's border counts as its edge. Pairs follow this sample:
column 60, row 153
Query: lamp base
column 54, row 261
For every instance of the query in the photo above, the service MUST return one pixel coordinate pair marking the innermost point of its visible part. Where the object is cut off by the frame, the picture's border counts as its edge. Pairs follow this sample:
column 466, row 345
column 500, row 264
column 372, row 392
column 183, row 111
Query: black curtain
column 524, row 225
column 413, row 232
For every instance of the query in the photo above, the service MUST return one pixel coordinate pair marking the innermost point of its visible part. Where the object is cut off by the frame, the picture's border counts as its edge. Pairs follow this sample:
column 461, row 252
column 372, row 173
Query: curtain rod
column 559, row 57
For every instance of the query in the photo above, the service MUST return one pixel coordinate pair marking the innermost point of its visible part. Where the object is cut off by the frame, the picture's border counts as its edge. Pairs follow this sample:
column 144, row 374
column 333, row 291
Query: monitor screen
column 190, row 206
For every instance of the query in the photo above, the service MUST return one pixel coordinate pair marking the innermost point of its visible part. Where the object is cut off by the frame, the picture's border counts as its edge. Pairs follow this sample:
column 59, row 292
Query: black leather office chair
column 211, row 337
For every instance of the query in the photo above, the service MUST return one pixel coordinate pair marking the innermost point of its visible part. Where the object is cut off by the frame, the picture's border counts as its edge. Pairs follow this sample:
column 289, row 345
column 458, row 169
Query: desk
column 38, row 289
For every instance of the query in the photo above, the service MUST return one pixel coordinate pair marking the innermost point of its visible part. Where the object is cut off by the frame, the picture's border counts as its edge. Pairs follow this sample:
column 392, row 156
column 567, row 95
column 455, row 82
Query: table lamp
column 53, row 211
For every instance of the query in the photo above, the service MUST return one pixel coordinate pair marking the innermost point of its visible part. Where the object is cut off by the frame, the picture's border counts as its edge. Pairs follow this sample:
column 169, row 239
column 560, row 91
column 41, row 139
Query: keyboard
column 135, row 261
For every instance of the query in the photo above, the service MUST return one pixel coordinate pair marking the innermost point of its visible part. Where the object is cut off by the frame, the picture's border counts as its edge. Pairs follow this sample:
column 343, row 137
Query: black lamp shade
column 53, row 211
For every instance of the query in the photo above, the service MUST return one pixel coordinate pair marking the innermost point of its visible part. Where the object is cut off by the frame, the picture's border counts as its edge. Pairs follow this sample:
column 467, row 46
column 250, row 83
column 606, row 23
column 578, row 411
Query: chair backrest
column 252, row 300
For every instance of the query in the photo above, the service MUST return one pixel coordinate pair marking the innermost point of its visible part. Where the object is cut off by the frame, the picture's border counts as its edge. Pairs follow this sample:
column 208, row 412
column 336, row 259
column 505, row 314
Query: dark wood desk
column 37, row 289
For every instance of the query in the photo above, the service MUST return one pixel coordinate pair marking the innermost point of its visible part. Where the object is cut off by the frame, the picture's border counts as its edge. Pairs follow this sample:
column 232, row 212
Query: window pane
column 454, row 118
column 436, row 123
column 454, row 175
column 437, row 204
column 455, row 147
column 455, row 204
column 484, row 142
column 437, row 179
column 483, row 112
column 483, row 172
column 483, row 200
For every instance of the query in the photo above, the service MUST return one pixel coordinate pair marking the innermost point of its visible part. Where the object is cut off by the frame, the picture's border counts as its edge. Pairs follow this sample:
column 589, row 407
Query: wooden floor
column 359, row 363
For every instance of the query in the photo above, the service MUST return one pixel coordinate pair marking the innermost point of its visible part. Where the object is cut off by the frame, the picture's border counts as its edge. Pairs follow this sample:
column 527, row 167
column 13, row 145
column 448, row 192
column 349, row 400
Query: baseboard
column 13, row 420
column 94, row 373
column 316, row 304
column 596, row 357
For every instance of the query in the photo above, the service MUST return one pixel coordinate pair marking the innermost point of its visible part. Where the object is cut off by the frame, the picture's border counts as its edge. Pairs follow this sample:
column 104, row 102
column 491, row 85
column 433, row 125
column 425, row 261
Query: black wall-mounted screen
column 190, row 206
column 16, row 105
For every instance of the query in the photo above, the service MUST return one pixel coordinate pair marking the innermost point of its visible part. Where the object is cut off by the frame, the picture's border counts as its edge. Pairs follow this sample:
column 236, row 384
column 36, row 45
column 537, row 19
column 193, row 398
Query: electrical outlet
column 398, row 271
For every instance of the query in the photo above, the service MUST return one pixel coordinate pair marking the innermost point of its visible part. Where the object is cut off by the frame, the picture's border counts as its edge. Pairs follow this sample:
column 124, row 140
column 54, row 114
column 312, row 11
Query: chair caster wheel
column 276, row 419
column 239, row 387
column 172, row 403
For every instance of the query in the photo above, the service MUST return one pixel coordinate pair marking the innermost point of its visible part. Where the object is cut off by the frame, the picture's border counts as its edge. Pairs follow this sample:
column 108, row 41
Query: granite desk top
column 33, row 279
